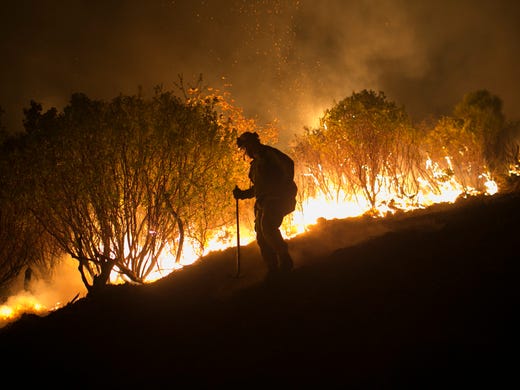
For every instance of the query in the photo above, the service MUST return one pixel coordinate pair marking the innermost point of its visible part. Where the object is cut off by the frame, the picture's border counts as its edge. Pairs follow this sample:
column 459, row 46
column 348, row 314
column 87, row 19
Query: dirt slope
column 424, row 299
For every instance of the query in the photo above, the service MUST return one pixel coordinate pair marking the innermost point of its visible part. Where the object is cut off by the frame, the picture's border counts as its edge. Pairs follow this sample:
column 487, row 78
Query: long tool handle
column 238, row 240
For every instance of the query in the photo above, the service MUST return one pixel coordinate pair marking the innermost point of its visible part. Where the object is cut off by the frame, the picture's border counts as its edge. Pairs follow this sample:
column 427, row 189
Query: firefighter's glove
column 238, row 193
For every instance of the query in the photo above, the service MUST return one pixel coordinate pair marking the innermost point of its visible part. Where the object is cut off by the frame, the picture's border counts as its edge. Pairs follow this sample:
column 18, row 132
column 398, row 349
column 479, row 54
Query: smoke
column 42, row 293
column 61, row 286
column 423, row 55
column 283, row 61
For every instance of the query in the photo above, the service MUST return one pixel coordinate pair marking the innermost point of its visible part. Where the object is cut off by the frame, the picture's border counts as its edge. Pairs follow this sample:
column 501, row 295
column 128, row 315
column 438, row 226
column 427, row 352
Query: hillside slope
column 424, row 299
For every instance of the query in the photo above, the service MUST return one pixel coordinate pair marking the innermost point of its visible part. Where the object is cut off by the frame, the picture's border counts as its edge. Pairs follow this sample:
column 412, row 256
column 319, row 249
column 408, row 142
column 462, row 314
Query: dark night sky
column 285, row 60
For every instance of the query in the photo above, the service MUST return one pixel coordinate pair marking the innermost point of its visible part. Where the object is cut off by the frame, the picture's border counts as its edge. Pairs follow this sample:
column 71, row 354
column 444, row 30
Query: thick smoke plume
column 281, row 60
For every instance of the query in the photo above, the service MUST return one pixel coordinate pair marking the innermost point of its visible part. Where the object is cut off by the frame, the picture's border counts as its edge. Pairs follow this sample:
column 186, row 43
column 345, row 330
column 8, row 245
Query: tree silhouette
column 481, row 115
column 472, row 144
column 118, row 183
column 364, row 145
column 23, row 241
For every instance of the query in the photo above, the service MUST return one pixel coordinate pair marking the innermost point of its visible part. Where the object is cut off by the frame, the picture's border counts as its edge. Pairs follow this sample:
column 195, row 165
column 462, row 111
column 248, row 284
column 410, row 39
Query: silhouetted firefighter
column 273, row 187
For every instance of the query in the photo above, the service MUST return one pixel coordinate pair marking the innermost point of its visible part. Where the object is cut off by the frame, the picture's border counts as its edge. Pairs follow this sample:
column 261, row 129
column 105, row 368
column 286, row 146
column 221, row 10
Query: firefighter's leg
column 270, row 226
column 268, row 253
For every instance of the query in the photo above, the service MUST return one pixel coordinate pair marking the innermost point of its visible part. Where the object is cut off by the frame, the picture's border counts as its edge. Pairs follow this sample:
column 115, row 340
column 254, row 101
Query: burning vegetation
column 134, row 188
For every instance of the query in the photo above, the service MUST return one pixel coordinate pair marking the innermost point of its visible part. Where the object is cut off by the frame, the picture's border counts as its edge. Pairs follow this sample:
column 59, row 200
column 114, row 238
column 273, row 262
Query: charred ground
column 424, row 299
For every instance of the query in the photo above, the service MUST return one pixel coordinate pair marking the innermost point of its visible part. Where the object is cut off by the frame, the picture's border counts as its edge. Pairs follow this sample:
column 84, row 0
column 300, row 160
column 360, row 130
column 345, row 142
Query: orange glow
column 307, row 214
column 19, row 304
column 319, row 207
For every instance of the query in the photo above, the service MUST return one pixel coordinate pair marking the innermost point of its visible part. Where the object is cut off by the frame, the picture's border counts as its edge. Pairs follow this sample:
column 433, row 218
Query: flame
column 221, row 240
column 312, row 209
column 307, row 214
column 20, row 304
column 41, row 295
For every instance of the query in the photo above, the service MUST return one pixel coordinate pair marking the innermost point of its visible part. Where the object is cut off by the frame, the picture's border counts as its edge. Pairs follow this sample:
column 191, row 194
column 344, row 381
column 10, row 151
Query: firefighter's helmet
column 247, row 138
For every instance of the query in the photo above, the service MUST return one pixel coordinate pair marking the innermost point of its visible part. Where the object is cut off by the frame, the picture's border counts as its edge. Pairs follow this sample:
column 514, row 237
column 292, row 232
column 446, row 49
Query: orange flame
column 306, row 215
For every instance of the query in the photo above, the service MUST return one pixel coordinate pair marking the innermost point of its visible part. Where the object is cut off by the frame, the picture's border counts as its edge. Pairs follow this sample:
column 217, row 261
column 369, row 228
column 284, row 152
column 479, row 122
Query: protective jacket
column 272, row 176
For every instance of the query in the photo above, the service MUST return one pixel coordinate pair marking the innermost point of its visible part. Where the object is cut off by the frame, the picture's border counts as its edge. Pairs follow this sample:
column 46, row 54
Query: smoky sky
column 283, row 61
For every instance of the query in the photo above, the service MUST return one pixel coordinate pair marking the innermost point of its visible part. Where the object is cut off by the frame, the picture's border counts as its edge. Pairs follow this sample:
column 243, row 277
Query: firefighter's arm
column 243, row 194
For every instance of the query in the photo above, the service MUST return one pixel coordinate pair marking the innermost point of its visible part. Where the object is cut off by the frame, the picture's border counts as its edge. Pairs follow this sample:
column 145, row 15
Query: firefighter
column 272, row 185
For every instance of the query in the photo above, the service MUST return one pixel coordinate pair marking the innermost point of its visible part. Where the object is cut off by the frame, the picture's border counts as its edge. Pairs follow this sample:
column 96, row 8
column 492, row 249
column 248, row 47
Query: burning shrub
column 365, row 146
column 120, row 183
